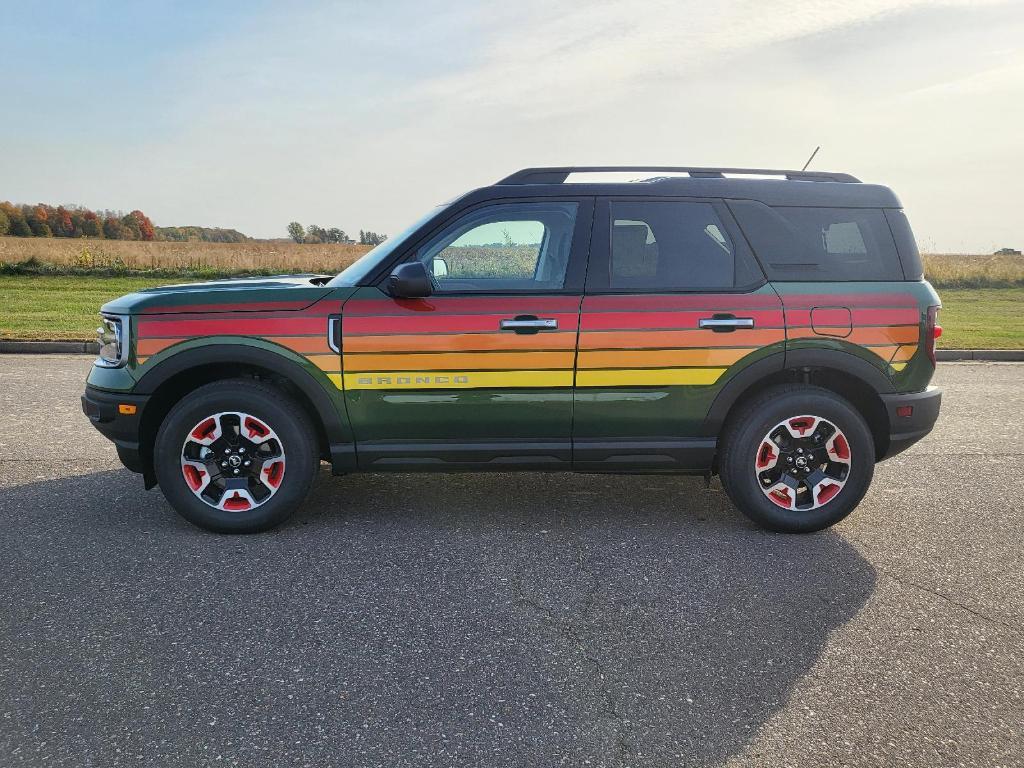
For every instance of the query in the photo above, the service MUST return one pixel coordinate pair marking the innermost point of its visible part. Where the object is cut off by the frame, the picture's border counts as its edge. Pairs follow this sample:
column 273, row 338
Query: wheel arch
column 849, row 376
column 182, row 372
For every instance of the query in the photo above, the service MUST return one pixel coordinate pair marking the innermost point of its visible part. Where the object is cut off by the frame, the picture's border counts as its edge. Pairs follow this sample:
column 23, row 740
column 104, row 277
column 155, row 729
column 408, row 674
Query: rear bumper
column 908, row 428
column 121, row 429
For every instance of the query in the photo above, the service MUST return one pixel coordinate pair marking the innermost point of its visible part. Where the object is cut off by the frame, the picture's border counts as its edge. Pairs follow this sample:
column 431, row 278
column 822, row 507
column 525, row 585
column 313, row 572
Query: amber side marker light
column 126, row 409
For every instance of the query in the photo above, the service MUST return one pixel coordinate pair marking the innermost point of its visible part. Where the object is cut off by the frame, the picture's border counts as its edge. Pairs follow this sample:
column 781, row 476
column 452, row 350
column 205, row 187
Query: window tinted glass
column 669, row 246
column 513, row 247
column 820, row 243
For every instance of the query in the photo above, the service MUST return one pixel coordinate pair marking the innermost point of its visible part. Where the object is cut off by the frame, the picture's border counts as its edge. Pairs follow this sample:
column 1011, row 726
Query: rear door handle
column 725, row 323
column 529, row 324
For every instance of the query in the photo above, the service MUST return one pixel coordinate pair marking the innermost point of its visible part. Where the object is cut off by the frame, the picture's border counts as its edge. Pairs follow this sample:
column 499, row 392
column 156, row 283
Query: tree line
column 44, row 220
column 317, row 234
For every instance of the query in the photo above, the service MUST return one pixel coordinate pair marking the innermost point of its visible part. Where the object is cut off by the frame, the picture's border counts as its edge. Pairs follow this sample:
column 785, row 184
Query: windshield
column 355, row 272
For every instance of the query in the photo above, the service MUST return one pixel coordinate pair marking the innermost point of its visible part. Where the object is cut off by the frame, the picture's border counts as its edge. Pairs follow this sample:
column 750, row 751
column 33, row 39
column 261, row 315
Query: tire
column 228, row 420
column 759, row 461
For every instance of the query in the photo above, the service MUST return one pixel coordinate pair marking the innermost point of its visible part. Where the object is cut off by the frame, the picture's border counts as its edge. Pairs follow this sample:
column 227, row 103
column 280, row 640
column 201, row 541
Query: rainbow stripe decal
column 301, row 329
column 600, row 341
column 456, row 343
column 886, row 324
column 623, row 341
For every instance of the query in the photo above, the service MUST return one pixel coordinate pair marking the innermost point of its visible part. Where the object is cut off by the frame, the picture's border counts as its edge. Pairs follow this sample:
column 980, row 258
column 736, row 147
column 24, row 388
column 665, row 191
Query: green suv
column 773, row 327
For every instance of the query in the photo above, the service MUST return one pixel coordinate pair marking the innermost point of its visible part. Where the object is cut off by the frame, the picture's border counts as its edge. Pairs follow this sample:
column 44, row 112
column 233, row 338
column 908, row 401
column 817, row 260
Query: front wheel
column 235, row 456
column 797, row 458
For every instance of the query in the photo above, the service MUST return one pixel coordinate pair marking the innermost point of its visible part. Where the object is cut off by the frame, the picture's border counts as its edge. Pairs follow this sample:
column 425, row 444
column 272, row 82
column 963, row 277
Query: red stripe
column 452, row 305
column 234, row 326
column 442, row 323
column 724, row 302
column 809, row 300
column 227, row 317
column 860, row 317
column 240, row 306
column 828, row 316
column 623, row 321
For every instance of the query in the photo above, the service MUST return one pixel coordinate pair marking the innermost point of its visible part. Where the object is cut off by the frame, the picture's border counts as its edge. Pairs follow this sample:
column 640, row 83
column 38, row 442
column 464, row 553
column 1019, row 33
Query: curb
column 1004, row 355
column 92, row 348
column 48, row 347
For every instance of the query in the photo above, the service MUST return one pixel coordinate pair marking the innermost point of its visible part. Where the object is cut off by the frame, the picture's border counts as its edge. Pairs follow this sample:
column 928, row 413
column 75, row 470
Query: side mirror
column 410, row 281
column 440, row 267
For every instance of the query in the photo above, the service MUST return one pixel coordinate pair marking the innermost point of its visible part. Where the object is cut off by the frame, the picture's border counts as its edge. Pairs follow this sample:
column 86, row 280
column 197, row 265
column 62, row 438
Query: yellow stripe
column 898, row 366
column 649, row 377
column 335, row 379
column 457, row 379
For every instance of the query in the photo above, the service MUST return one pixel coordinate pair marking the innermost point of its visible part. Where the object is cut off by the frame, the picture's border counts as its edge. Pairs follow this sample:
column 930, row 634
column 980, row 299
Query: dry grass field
column 957, row 270
column 252, row 256
column 265, row 256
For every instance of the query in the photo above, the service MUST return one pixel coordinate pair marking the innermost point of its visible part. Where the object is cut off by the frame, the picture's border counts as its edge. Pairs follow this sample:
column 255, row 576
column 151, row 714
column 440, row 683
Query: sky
column 363, row 115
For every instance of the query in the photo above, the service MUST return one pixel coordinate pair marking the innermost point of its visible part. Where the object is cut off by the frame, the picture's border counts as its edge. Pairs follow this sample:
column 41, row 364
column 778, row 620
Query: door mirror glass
column 410, row 281
column 440, row 268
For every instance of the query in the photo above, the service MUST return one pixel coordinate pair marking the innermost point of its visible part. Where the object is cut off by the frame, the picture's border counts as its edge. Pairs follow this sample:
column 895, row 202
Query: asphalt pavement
column 511, row 620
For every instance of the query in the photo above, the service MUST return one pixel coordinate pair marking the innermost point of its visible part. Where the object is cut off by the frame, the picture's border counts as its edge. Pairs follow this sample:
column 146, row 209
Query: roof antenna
column 810, row 158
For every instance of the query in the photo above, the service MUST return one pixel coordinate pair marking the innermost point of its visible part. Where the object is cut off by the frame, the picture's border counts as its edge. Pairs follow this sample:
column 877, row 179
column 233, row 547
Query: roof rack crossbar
column 559, row 175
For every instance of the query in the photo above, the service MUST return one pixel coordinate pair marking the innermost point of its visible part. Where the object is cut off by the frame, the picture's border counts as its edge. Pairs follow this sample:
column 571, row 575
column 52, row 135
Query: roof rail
column 559, row 175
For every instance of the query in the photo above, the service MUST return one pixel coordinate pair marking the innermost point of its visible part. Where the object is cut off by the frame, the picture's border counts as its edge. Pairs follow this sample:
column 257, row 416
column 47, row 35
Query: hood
column 278, row 293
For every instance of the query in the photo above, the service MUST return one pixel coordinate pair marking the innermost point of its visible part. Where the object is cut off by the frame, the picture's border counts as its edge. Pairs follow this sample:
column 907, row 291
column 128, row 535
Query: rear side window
column 837, row 244
column 669, row 246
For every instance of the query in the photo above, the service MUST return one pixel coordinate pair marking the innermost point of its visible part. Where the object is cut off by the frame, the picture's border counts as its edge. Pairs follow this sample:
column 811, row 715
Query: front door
column 675, row 307
column 479, row 375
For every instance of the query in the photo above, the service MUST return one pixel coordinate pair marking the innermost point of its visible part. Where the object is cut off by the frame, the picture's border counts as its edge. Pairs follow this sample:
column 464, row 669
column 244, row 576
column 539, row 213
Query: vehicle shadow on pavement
column 410, row 620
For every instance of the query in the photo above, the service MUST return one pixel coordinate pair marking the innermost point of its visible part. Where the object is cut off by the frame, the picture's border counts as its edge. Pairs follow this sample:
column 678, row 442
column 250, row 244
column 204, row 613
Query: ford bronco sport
column 773, row 327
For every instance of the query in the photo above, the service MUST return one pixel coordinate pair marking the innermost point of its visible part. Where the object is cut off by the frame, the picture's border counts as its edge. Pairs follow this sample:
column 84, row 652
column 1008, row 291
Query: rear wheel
column 235, row 456
column 797, row 458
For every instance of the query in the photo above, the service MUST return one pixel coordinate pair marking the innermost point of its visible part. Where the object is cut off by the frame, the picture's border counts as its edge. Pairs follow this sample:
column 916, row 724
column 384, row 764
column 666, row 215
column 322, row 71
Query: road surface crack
column 946, row 598
column 598, row 676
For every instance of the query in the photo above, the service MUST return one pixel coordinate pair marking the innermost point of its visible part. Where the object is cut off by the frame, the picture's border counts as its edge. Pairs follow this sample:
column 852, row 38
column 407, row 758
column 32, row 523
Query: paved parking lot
column 511, row 620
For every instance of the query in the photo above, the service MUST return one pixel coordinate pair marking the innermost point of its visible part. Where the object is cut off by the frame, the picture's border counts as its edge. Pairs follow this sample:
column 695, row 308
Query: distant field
column 252, row 256
column 37, row 307
column 53, row 254
column 949, row 270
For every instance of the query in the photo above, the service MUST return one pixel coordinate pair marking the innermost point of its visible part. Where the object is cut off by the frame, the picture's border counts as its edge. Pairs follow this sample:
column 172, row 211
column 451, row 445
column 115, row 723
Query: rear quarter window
column 827, row 244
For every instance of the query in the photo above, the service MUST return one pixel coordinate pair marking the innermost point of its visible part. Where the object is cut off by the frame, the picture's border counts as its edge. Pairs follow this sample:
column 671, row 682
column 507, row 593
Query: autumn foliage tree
column 44, row 220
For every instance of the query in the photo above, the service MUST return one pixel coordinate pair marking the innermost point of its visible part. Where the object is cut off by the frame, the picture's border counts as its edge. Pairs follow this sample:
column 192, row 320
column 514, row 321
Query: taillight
column 932, row 331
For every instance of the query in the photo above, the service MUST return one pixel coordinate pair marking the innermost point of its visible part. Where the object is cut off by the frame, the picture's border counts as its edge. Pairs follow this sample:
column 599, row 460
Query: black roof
column 785, row 187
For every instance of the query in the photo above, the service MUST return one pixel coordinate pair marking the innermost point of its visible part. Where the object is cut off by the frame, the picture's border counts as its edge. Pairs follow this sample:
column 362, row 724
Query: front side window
column 669, row 246
column 507, row 247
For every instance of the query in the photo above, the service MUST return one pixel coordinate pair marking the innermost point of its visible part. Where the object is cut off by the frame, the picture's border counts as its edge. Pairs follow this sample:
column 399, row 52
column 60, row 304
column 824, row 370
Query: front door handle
column 529, row 324
column 725, row 323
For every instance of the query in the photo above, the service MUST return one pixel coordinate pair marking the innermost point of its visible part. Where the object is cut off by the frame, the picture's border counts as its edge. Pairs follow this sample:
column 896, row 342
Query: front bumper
column 919, row 411
column 122, row 429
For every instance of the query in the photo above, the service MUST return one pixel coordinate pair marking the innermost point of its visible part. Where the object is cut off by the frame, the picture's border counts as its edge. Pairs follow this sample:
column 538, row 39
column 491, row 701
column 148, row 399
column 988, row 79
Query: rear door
column 478, row 375
column 675, row 307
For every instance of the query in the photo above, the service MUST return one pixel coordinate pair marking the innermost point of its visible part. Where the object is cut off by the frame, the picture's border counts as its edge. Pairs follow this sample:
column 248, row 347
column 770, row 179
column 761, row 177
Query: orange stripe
column 661, row 358
column 472, row 361
column 459, row 342
column 328, row 363
column 665, row 339
column 904, row 353
column 897, row 334
column 148, row 347
column 885, row 353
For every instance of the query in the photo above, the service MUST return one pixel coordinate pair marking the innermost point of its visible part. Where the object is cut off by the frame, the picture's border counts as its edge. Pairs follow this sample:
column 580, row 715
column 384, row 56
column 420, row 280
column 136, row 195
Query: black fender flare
column 336, row 428
column 794, row 359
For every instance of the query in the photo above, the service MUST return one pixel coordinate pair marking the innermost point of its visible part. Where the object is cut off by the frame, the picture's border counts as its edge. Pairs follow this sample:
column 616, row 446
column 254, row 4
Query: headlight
column 112, row 336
